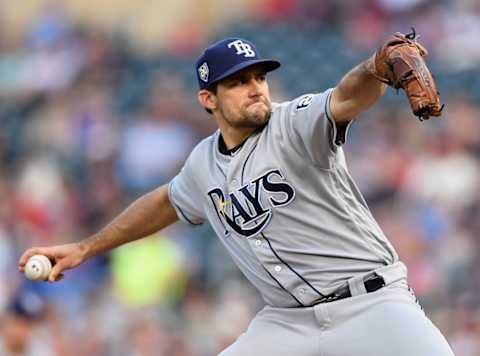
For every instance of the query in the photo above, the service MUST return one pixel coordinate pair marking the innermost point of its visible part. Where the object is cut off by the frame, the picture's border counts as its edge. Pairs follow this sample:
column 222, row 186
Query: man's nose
column 253, row 88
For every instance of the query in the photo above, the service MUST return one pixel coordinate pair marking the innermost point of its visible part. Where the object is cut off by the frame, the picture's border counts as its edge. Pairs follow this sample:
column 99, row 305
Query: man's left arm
column 400, row 63
column 356, row 92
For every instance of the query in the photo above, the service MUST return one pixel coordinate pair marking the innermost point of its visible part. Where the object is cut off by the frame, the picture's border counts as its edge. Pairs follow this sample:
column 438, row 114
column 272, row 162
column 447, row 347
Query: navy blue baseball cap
column 227, row 57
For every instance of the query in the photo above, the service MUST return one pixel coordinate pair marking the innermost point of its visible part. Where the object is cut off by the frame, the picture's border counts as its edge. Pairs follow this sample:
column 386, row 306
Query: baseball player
column 273, row 183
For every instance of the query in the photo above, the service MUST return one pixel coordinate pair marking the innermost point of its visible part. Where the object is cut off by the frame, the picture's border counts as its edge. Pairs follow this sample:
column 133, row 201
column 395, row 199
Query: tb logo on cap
column 242, row 48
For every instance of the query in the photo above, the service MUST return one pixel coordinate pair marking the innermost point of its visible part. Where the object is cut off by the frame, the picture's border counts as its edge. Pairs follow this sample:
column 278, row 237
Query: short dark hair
column 213, row 89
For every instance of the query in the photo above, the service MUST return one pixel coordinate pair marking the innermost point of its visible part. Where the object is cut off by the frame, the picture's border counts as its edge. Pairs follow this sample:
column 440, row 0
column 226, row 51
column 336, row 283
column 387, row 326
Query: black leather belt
column 372, row 283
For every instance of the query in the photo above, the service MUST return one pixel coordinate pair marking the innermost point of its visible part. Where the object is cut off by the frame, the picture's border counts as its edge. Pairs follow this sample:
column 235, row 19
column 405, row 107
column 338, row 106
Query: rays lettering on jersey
column 243, row 210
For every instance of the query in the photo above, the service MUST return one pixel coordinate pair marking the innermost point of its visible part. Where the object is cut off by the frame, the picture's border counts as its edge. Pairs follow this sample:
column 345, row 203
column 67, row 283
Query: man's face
column 243, row 99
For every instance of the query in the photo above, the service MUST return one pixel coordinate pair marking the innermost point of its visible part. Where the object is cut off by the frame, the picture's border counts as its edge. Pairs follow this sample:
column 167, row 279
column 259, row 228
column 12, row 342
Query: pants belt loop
column 393, row 272
column 357, row 287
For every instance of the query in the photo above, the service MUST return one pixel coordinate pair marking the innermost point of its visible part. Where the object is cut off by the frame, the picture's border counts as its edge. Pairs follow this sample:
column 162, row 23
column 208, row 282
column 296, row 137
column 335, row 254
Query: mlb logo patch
column 203, row 72
column 304, row 102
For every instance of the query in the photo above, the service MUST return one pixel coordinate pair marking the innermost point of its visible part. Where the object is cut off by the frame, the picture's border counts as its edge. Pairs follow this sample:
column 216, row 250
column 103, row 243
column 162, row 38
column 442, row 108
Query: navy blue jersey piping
column 289, row 267
column 285, row 289
column 185, row 216
column 245, row 163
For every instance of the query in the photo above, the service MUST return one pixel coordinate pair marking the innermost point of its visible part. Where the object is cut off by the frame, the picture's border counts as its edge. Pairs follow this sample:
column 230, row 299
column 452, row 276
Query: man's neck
column 228, row 151
column 235, row 137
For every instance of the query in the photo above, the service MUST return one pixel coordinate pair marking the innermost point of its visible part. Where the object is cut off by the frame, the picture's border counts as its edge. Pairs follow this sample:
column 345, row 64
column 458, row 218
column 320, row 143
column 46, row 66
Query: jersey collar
column 222, row 147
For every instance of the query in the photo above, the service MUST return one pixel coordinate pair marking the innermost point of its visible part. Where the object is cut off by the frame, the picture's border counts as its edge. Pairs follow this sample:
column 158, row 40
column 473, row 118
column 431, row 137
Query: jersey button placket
column 305, row 294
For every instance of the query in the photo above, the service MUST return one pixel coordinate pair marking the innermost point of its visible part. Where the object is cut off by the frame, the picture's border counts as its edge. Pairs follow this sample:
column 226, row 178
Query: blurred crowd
column 90, row 122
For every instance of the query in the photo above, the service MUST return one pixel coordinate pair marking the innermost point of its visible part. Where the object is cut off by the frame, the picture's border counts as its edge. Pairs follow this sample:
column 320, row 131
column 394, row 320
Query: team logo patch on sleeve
column 304, row 102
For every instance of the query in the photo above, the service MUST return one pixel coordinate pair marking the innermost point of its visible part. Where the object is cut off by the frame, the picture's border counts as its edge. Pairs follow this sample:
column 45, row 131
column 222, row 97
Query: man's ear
column 207, row 99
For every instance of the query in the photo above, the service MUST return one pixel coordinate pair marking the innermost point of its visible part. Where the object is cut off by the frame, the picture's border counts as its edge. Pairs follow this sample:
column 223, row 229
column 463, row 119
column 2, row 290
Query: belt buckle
column 373, row 283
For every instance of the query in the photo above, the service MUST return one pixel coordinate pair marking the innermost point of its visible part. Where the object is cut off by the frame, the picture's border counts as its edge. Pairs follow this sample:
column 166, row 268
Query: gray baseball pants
column 387, row 322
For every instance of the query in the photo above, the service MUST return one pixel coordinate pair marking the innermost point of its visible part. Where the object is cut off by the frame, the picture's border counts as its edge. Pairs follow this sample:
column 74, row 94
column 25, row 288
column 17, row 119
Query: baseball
column 38, row 268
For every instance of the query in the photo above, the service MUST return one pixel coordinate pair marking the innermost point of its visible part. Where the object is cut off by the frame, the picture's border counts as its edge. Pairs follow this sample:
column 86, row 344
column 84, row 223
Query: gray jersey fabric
column 284, row 205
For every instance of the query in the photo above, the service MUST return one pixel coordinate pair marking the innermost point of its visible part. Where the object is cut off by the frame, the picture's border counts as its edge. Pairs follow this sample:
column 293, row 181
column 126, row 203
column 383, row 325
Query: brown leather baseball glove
column 400, row 63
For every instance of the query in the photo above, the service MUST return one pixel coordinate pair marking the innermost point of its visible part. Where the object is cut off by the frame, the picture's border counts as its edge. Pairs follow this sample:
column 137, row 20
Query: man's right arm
column 147, row 215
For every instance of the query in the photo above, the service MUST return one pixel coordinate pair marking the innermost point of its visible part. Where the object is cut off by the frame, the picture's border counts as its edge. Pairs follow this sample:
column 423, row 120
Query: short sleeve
column 185, row 195
column 313, row 130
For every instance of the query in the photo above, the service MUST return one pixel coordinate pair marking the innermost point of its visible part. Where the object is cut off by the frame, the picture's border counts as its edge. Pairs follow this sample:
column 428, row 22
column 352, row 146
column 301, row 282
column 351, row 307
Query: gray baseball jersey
column 284, row 205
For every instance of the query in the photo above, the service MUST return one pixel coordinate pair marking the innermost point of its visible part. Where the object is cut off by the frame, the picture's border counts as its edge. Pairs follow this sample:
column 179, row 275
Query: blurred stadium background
column 97, row 106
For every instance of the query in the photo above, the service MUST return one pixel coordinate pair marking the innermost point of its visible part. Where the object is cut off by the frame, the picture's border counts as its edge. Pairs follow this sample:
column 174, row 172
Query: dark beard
column 252, row 122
